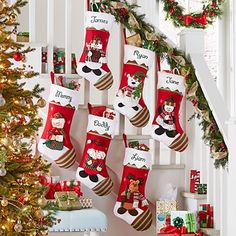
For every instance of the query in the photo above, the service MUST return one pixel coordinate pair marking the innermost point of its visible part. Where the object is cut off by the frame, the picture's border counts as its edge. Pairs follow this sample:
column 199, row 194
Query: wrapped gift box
column 202, row 188
column 178, row 218
column 194, row 180
column 206, row 216
column 22, row 37
column 67, row 201
column 86, row 202
column 163, row 209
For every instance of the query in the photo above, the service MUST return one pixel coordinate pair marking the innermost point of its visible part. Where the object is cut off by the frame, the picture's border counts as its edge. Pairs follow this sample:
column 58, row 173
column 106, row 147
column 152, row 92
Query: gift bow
column 188, row 19
column 173, row 230
column 68, row 197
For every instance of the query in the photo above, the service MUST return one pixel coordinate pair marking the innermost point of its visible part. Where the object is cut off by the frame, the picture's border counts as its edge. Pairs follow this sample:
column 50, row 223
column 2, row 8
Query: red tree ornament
column 18, row 56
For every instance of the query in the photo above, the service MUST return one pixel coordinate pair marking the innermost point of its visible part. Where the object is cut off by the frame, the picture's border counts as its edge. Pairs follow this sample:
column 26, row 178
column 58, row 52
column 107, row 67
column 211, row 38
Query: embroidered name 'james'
column 140, row 55
column 102, row 124
column 59, row 94
column 96, row 20
column 170, row 80
column 136, row 157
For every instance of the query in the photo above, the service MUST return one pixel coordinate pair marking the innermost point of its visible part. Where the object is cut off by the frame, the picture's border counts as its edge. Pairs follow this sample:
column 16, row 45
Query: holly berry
column 212, row 14
column 213, row 4
column 18, row 56
column 172, row 10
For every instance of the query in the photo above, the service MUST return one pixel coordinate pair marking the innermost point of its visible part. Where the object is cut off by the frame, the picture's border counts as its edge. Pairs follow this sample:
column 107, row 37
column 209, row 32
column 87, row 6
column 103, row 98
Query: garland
column 210, row 11
column 145, row 36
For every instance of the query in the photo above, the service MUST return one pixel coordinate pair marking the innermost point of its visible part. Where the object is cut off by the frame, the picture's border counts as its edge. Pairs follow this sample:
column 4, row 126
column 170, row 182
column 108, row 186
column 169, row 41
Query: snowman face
column 58, row 123
column 169, row 108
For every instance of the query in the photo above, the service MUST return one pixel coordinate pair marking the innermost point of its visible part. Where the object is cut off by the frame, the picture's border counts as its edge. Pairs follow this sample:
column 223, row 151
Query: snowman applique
column 56, row 134
column 166, row 118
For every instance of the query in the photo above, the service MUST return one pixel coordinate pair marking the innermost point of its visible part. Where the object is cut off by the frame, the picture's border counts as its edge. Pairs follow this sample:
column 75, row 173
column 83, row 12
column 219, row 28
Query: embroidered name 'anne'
column 170, row 80
column 96, row 20
column 59, row 94
column 136, row 157
column 140, row 55
column 102, row 125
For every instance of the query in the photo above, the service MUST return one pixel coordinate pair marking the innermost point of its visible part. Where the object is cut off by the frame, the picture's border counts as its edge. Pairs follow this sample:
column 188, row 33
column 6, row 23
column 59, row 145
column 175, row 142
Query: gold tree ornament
column 4, row 202
column 41, row 103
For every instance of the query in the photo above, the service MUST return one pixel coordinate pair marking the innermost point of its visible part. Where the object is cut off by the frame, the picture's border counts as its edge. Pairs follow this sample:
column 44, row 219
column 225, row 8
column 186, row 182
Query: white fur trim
column 140, row 55
column 64, row 95
column 101, row 124
column 171, row 81
column 138, row 158
column 99, row 20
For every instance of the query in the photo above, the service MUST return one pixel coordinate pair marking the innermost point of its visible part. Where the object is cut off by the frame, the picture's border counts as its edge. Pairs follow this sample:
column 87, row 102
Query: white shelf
column 210, row 231
column 194, row 195
column 32, row 45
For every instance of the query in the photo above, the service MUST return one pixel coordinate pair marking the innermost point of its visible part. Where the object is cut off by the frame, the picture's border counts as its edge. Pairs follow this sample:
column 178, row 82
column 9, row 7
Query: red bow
column 188, row 19
column 174, row 230
column 74, row 188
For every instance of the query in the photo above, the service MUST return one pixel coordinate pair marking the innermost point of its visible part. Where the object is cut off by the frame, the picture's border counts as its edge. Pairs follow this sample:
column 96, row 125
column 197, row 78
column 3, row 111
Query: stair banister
column 232, row 124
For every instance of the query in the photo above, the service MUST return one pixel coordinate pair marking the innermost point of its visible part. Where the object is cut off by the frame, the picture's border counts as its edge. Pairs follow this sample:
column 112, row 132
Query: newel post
column 192, row 41
column 232, row 124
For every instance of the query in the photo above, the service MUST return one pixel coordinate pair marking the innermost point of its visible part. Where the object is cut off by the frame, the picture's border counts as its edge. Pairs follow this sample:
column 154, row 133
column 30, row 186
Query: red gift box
column 206, row 216
column 194, row 180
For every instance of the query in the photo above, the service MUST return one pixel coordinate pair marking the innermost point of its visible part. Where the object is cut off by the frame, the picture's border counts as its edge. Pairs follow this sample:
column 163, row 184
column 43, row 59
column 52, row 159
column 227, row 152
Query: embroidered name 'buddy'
column 140, row 55
column 102, row 124
column 59, row 94
column 94, row 19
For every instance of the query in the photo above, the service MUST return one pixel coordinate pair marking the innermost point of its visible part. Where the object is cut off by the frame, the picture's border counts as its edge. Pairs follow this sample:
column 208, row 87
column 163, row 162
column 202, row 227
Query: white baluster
column 50, row 33
column 32, row 21
column 68, row 35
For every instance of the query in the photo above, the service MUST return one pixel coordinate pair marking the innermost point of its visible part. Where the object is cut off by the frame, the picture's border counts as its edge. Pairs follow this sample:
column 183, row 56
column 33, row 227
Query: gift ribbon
column 188, row 19
column 208, row 215
column 190, row 222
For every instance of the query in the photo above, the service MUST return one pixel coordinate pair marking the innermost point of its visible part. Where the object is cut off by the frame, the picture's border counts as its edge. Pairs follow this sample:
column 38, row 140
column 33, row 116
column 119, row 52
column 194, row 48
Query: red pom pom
column 18, row 56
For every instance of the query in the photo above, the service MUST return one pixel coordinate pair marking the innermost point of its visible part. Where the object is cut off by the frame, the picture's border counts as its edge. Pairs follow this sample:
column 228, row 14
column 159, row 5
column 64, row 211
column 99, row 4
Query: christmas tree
column 21, row 194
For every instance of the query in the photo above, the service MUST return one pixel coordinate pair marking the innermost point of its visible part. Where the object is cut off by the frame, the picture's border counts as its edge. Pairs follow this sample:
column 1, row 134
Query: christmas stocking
column 93, row 61
column 55, row 141
column 92, row 169
column 166, row 127
column 131, row 205
column 129, row 99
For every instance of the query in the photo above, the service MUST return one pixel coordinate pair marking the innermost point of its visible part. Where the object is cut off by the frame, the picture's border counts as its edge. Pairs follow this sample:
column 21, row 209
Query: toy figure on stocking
column 92, row 169
column 93, row 62
column 166, row 127
column 55, row 141
column 131, row 205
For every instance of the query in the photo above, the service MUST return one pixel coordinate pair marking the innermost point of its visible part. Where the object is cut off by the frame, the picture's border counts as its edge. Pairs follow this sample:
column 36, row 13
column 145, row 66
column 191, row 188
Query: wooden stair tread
column 194, row 195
